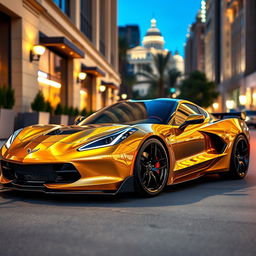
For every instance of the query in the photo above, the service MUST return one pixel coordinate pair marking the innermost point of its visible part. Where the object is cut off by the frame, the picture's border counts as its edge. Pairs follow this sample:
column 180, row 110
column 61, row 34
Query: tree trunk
column 161, row 88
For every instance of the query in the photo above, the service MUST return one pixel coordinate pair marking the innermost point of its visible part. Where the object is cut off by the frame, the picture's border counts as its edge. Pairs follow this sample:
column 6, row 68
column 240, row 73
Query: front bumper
column 126, row 186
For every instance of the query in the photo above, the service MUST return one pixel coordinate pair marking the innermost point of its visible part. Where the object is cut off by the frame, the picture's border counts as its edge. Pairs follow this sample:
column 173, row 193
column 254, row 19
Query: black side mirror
column 192, row 119
column 79, row 119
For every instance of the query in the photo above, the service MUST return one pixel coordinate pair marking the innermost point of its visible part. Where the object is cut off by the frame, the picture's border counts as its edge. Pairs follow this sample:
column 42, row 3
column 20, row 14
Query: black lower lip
column 39, row 173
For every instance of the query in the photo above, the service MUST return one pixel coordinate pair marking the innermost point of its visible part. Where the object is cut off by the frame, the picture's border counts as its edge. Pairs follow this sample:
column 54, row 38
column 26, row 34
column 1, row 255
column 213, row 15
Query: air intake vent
column 64, row 131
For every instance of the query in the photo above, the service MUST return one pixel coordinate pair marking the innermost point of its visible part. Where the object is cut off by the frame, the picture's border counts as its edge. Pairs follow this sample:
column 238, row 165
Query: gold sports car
column 139, row 146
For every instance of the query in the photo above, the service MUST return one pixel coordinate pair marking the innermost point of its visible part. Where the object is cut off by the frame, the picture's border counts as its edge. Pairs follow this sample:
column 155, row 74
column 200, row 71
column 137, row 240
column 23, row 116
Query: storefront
column 67, row 49
column 5, row 50
column 52, row 77
column 53, row 68
column 89, row 87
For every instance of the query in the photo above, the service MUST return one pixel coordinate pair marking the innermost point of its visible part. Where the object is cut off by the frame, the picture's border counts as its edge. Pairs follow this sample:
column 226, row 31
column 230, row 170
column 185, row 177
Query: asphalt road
column 209, row 216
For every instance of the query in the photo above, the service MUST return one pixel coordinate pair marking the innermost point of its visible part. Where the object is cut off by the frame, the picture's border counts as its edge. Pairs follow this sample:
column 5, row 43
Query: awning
column 110, row 85
column 96, row 71
column 62, row 45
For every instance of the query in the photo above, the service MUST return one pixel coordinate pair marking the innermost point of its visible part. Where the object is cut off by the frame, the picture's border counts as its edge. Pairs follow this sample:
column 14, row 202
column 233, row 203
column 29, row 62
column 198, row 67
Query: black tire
column 239, row 161
column 151, row 170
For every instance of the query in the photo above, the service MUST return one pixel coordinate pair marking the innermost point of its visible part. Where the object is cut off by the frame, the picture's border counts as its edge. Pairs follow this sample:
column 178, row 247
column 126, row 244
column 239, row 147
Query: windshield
column 134, row 112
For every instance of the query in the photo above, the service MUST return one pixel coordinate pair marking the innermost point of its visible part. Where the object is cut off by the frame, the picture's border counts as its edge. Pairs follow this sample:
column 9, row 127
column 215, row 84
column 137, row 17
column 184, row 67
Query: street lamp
column 102, row 88
column 81, row 76
column 124, row 96
column 230, row 104
column 36, row 52
column 215, row 105
column 242, row 99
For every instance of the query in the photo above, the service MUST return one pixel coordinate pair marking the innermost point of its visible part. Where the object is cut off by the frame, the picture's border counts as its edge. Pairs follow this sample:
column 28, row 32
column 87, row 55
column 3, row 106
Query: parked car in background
column 250, row 118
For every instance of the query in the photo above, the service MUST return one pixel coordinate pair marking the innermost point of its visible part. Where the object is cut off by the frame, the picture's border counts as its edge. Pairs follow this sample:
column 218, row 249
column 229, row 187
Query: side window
column 182, row 113
column 203, row 112
column 193, row 107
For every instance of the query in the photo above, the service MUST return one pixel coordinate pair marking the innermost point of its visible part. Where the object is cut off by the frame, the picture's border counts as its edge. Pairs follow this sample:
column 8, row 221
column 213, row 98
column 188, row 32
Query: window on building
column 64, row 5
column 86, row 93
column 86, row 17
column 52, row 77
column 102, row 27
column 5, row 51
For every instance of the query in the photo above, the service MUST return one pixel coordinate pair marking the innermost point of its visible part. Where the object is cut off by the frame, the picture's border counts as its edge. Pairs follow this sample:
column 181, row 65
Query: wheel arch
column 154, row 136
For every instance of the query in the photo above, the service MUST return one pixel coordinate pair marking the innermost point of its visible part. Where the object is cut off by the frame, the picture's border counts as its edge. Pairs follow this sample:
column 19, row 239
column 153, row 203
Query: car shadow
column 181, row 194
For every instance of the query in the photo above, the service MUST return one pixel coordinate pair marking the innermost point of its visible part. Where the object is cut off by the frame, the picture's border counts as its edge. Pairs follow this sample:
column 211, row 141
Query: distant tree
column 158, row 79
column 172, row 78
column 198, row 89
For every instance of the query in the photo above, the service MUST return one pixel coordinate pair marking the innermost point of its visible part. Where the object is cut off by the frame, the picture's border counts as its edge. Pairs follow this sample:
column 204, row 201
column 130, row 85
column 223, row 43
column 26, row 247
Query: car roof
column 177, row 101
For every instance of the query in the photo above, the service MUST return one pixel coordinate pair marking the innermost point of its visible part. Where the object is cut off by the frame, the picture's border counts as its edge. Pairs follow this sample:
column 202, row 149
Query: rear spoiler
column 239, row 115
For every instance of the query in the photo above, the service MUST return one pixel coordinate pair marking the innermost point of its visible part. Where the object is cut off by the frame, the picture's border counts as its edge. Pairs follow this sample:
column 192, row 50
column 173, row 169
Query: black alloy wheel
column 240, row 157
column 151, row 168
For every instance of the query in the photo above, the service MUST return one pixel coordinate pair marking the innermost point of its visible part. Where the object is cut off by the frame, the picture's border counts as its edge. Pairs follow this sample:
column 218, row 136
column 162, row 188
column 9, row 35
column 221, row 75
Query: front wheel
column 239, row 161
column 151, row 168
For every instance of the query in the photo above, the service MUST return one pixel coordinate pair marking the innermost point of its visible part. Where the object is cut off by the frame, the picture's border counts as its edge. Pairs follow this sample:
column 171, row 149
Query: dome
column 177, row 57
column 153, row 30
column 153, row 37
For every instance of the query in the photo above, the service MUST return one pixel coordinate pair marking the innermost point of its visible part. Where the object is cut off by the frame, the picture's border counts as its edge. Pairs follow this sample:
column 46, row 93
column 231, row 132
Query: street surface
column 209, row 216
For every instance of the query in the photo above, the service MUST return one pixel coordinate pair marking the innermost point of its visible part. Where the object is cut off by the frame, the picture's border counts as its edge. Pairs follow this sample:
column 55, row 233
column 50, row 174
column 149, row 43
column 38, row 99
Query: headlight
column 109, row 140
column 12, row 138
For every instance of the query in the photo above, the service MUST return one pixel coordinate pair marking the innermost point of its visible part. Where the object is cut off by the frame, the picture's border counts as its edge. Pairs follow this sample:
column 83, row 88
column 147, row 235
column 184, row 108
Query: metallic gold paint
column 106, row 168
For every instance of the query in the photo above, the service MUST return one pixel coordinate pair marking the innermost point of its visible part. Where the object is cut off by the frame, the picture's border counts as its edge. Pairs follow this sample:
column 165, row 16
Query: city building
column 131, row 35
column 141, row 56
column 194, row 46
column 230, row 49
column 212, row 40
column 67, row 49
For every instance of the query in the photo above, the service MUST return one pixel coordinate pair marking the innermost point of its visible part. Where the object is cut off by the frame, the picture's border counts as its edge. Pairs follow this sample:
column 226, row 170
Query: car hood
column 68, row 134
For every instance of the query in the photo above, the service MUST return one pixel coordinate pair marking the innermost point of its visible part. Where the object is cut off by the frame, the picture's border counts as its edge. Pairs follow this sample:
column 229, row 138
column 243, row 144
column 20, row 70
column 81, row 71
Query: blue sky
column 173, row 18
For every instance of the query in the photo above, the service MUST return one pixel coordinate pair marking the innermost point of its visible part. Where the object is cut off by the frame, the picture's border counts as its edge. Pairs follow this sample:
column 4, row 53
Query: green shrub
column 10, row 100
column 7, row 99
column 71, row 111
column 83, row 112
column 90, row 112
column 2, row 97
column 59, row 109
column 65, row 110
column 76, row 112
column 48, row 107
column 39, row 103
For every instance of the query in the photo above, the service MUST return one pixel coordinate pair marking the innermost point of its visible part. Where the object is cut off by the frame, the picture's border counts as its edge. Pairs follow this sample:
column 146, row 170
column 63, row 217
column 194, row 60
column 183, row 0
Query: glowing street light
column 124, row 96
column 242, row 99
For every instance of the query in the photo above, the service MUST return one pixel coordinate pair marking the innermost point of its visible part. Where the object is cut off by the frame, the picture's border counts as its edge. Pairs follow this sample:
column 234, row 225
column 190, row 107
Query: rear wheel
column 151, row 168
column 239, row 161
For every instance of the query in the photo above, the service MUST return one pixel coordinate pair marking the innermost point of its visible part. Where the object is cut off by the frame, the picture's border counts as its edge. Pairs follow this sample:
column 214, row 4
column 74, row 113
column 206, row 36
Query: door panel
column 189, row 143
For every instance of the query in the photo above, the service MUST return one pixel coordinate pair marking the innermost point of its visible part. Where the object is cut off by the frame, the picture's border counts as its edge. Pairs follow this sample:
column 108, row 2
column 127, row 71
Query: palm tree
column 173, row 76
column 157, row 80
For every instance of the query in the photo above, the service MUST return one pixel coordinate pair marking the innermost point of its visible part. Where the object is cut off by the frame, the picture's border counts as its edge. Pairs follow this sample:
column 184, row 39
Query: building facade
column 230, row 61
column 194, row 47
column 131, row 35
column 141, row 56
column 77, row 42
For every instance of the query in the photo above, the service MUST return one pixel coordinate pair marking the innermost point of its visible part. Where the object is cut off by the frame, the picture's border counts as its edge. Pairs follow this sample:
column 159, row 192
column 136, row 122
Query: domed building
column 153, row 37
column 140, row 56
